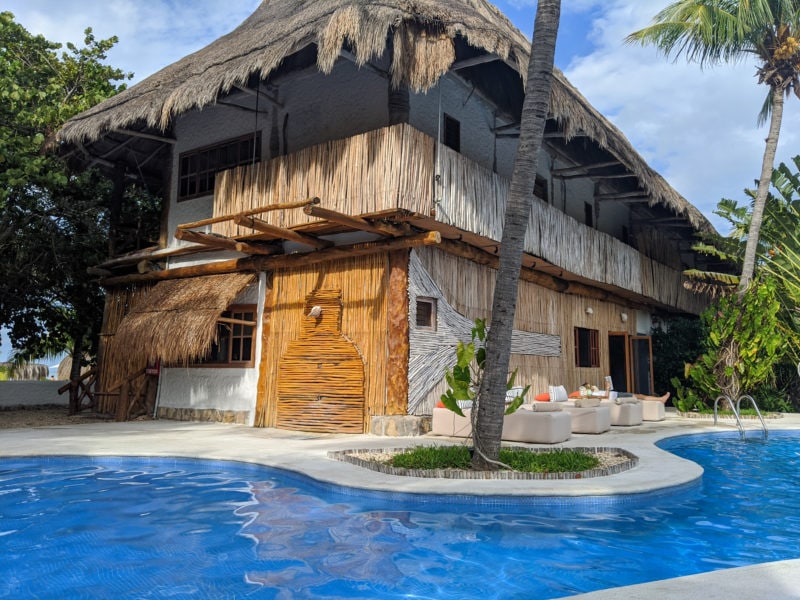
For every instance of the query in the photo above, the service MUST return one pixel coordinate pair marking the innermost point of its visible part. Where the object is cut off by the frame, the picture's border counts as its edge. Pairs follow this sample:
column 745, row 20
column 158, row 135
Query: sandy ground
column 44, row 416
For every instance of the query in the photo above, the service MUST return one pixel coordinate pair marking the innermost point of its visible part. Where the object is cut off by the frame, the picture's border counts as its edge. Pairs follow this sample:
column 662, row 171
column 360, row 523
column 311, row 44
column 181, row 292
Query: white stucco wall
column 31, row 393
column 230, row 389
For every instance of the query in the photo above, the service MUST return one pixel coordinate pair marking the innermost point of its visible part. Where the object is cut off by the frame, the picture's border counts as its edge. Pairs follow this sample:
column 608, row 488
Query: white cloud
column 151, row 34
column 696, row 127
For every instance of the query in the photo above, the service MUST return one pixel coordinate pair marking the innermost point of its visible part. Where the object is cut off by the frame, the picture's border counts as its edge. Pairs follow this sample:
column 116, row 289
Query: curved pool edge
column 777, row 580
column 307, row 454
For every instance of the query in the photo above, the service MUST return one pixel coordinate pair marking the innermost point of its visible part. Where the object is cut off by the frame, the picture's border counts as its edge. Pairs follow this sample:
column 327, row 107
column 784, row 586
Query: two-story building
column 334, row 177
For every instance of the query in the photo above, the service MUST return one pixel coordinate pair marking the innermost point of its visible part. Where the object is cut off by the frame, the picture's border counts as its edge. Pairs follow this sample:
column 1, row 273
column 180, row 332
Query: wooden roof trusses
column 263, row 247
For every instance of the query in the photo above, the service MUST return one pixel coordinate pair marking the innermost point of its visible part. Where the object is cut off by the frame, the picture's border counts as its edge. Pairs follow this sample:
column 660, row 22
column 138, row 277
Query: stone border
column 767, row 416
column 354, row 458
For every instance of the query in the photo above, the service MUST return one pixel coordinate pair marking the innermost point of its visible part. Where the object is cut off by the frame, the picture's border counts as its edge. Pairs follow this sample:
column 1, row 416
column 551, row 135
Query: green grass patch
column 519, row 459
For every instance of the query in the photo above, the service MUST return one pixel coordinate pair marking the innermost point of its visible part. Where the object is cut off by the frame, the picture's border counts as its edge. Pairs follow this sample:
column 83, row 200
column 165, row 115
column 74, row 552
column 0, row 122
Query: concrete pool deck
column 307, row 453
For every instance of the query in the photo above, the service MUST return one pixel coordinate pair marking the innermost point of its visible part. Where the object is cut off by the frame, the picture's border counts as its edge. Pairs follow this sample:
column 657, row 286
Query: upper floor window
column 540, row 189
column 233, row 345
column 588, row 214
column 587, row 347
column 451, row 134
column 198, row 168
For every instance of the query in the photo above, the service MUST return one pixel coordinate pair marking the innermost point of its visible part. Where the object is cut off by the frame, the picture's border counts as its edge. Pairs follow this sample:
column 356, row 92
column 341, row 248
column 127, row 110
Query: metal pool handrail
column 736, row 410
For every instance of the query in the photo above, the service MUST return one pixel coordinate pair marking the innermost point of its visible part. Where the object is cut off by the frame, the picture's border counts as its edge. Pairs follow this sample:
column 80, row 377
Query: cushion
column 575, row 394
column 558, row 393
column 627, row 400
column 587, row 402
column 544, row 397
column 549, row 407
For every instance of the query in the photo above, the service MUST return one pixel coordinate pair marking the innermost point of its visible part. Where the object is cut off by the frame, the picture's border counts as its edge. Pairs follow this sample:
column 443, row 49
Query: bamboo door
column 321, row 375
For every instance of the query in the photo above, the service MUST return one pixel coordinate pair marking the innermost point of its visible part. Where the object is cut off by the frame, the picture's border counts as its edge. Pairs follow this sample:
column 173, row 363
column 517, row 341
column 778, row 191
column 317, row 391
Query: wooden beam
column 475, row 60
column 269, row 263
column 347, row 55
column 276, row 232
column 598, row 176
column 622, row 195
column 146, row 136
column 506, row 127
column 259, row 93
column 397, row 341
column 252, row 211
column 569, row 170
column 229, row 321
column 550, row 282
column 355, row 222
column 222, row 242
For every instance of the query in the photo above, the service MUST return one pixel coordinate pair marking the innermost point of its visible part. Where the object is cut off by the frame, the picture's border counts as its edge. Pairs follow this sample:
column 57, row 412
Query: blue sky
column 696, row 127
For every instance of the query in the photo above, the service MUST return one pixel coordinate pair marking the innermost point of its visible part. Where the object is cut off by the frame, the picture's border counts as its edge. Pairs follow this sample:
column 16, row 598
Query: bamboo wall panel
column 384, row 169
column 363, row 282
column 119, row 302
column 395, row 167
column 469, row 287
column 321, row 374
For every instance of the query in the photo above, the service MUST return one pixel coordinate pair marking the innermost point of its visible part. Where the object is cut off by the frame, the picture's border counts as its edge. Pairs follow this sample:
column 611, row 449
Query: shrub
column 519, row 459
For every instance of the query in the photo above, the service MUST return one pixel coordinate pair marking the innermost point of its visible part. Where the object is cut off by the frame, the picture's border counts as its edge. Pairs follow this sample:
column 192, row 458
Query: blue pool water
column 79, row 527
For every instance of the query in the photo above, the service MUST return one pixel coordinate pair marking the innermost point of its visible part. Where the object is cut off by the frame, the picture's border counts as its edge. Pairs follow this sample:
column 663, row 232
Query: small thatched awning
column 175, row 322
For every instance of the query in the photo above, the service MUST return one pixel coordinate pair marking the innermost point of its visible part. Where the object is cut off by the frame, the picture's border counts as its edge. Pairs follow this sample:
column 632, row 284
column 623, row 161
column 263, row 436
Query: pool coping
column 307, row 454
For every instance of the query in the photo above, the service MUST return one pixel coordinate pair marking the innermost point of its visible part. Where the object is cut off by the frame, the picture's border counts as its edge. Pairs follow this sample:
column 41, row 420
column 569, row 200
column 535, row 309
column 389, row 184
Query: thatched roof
column 424, row 37
column 175, row 322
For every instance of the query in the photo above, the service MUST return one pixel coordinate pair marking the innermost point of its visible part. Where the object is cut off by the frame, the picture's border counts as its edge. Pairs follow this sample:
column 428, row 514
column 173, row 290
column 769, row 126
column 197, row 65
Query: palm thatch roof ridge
column 422, row 34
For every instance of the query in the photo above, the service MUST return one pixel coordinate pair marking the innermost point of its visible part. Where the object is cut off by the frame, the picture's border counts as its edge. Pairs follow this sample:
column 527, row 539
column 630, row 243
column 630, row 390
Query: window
column 426, row 313
column 452, row 133
column 588, row 214
column 540, row 189
column 587, row 347
column 198, row 168
column 233, row 345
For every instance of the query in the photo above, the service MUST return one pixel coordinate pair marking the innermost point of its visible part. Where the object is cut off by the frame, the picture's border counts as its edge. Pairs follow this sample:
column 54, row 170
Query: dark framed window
column 233, row 345
column 426, row 313
column 198, row 168
column 588, row 214
column 587, row 347
column 540, row 189
column 451, row 134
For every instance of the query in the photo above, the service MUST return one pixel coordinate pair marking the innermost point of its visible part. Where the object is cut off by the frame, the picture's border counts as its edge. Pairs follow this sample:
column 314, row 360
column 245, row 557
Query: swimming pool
column 152, row 528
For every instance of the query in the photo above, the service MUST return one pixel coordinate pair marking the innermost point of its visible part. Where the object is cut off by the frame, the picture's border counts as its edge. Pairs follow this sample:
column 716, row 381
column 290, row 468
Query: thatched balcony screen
column 395, row 168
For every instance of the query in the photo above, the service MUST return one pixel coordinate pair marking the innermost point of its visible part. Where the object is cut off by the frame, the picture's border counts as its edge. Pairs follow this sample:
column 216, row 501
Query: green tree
column 711, row 32
column 488, row 422
column 54, row 223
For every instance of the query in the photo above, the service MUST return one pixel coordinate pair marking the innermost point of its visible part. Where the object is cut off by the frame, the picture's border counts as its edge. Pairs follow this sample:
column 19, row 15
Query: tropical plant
column 711, row 32
column 743, row 346
column 489, row 410
column 466, row 375
column 54, row 223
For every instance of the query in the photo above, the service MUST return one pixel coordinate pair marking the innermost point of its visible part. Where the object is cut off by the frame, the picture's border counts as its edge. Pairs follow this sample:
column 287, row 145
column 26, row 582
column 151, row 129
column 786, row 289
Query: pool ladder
column 736, row 410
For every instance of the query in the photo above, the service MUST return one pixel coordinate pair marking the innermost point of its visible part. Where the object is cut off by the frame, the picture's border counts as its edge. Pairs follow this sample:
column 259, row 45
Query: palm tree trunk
column 75, row 376
column 490, row 406
column 767, row 166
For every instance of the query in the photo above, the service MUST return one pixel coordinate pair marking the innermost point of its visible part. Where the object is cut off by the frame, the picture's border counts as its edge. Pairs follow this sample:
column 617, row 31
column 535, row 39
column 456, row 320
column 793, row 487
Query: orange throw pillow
column 545, row 397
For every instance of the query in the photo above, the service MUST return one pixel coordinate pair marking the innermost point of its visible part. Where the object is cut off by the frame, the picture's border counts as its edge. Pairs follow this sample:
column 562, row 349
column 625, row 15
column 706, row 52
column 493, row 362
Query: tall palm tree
column 489, row 417
column 711, row 32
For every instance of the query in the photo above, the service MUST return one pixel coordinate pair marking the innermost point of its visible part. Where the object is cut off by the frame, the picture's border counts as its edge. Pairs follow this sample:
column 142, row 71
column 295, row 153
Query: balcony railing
column 395, row 168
